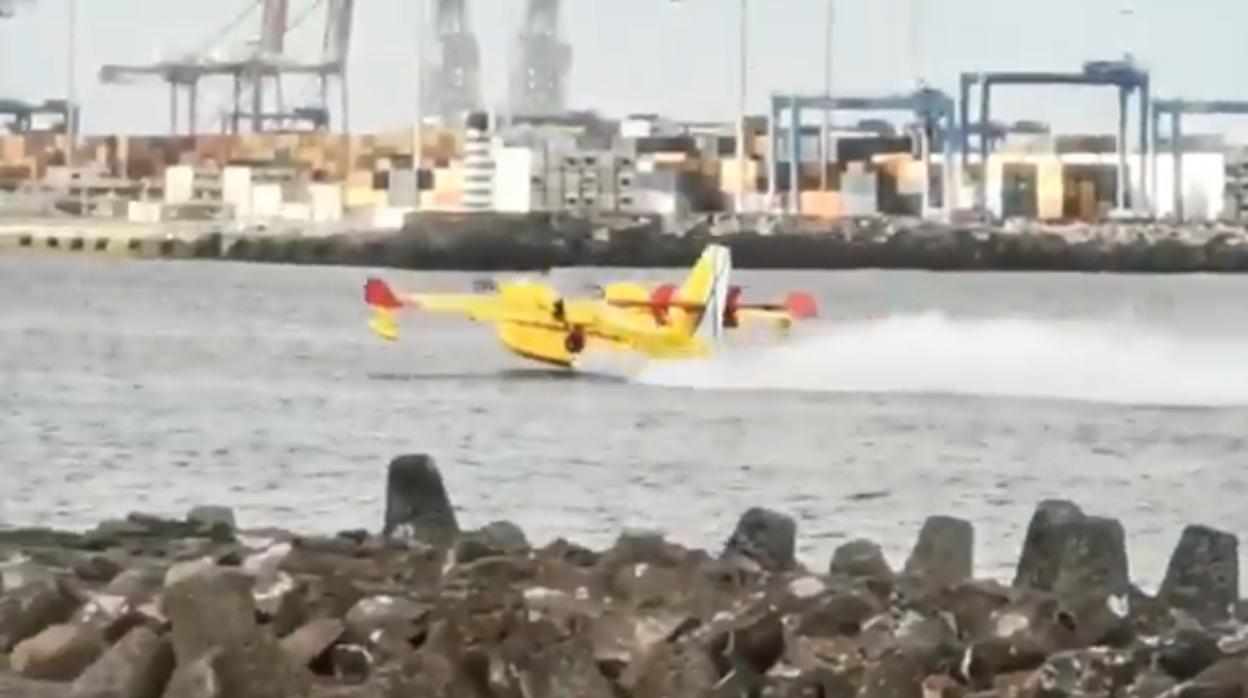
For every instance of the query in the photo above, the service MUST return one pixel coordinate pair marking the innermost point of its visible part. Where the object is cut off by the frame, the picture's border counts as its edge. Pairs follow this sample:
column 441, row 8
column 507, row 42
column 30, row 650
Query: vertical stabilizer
column 704, row 293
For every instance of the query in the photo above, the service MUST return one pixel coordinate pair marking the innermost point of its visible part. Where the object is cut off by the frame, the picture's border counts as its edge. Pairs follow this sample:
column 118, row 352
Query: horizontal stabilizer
column 384, row 325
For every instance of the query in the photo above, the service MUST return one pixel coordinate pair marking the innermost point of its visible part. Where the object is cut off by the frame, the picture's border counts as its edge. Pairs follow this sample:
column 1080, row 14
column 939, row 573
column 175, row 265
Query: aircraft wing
column 623, row 327
column 479, row 307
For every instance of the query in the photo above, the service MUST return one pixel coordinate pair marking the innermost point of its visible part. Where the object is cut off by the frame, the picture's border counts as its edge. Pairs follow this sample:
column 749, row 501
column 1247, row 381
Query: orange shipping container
column 821, row 204
column 12, row 149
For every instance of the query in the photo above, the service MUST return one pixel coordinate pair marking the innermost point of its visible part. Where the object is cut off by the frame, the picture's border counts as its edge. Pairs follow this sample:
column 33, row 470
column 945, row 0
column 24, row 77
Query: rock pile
column 494, row 242
column 148, row 607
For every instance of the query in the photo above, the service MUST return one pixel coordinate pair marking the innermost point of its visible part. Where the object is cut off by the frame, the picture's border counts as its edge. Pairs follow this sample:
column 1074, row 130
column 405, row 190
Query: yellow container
column 1051, row 190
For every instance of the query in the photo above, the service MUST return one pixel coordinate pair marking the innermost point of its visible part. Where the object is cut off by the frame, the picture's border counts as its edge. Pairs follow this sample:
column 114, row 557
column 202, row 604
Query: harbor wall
column 525, row 242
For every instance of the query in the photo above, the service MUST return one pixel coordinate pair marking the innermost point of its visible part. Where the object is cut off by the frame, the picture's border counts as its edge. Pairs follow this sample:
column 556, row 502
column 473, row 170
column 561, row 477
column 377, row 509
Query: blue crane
column 1123, row 75
column 1176, row 109
column 933, row 108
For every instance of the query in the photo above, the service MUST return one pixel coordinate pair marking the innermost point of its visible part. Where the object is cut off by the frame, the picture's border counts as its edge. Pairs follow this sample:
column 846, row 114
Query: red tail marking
column 378, row 294
column 731, row 303
column 801, row 305
column 660, row 301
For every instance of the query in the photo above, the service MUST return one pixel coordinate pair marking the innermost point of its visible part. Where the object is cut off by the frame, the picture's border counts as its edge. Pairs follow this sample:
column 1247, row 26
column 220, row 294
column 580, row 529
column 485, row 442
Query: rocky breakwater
column 488, row 243
column 193, row 608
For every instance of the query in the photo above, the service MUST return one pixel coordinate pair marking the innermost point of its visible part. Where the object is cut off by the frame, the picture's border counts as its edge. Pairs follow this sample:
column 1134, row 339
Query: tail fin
column 378, row 294
column 706, row 288
column 384, row 302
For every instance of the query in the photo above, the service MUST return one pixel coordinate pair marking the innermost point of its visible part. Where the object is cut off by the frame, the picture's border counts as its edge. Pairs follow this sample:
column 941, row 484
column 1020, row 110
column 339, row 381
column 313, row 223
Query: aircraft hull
column 535, row 343
column 558, row 348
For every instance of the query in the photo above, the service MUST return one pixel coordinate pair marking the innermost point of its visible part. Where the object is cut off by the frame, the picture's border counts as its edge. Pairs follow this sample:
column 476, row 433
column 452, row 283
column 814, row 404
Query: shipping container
column 1049, row 189
column 1088, row 190
column 850, row 149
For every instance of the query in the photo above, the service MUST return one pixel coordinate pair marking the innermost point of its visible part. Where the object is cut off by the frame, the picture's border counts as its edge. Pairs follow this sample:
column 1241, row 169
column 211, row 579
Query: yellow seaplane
column 535, row 322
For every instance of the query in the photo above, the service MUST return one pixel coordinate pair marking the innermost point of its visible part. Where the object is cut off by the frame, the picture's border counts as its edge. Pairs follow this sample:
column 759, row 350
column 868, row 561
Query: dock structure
column 120, row 238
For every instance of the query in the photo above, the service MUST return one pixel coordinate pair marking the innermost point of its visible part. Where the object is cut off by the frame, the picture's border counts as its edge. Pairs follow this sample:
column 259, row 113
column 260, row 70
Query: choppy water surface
column 155, row 386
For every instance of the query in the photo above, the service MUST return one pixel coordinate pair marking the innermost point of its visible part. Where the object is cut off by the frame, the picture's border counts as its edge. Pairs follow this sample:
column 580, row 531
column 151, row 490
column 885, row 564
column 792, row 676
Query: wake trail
column 1103, row 362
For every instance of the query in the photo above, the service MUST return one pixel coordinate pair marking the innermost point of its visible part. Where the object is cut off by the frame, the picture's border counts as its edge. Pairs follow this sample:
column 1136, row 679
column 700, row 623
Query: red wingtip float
column 378, row 295
column 801, row 306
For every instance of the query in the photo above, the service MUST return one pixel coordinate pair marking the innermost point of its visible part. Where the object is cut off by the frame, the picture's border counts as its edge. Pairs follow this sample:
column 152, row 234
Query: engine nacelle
column 574, row 342
column 731, row 305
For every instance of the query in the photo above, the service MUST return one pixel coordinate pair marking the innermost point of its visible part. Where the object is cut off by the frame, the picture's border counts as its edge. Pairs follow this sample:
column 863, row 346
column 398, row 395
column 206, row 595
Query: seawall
column 503, row 243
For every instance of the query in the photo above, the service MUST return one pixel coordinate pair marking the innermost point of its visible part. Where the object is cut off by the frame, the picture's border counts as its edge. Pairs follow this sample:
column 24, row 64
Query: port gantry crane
column 539, row 80
column 1175, row 109
column 1123, row 75
column 933, row 108
column 21, row 113
column 454, row 87
column 265, row 63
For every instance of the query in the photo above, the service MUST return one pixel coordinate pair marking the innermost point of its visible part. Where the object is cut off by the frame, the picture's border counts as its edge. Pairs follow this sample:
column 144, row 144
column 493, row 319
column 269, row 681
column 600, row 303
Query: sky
column 679, row 59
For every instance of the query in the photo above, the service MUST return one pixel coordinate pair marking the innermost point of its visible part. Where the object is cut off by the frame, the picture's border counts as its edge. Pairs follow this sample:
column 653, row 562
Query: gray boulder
column 1092, row 581
column 97, row 569
column 1203, row 575
column 138, row 666
column 210, row 609
column 944, row 554
column 259, row 670
column 313, row 640
column 26, row 611
column 861, row 559
column 505, row 536
column 59, row 653
column 218, row 645
column 210, row 518
column 385, row 622
column 417, row 505
column 766, row 537
column 896, row 674
column 1043, row 546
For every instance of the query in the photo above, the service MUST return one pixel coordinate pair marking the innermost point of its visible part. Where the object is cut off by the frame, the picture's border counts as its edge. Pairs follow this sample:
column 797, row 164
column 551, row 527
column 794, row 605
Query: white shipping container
column 297, row 212
column 144, row 211
column 326, row 202
column 179, row 184
column 1204, row 184
column 389, row 217
column 636, row 128
column 266, row 200
column 513, row 180
column 236, row 189
column 403, row 188
column 859, row 191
